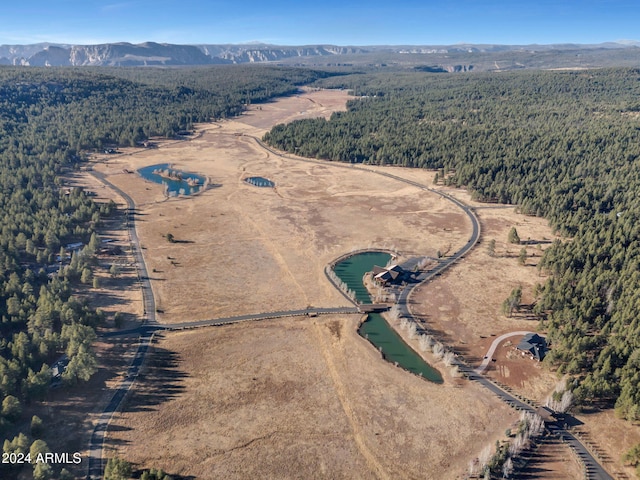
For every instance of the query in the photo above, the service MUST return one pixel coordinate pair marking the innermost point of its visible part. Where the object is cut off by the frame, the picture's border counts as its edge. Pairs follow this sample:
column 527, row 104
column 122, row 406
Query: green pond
column 375, row 328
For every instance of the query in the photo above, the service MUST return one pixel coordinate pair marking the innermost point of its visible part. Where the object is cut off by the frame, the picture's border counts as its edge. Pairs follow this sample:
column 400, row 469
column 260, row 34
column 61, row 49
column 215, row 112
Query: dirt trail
column 275, row 252
column 343, row 396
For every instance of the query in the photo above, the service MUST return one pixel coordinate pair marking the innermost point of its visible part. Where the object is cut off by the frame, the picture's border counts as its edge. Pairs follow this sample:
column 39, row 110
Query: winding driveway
column 593, row 469
column 96, row 444
column 492, row 349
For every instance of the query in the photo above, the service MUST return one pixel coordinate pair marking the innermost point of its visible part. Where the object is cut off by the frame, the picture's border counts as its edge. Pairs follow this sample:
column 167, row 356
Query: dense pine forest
column 49, row 119
column 561, row 145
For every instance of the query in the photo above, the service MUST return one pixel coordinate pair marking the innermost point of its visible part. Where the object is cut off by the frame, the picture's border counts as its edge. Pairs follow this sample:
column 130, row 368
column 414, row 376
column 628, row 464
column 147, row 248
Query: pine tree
column 491, row 248
column 117, row 469
column 522, row 257
column 513, row 236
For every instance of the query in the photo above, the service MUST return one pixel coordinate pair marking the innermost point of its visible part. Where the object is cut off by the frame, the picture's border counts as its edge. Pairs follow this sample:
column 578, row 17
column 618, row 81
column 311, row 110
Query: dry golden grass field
column 307, row 397
column 244, row 249
column 299, row 398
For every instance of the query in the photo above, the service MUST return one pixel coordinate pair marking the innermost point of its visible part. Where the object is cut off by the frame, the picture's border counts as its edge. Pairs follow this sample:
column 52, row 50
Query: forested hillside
column 48, row 118
column 563, row 145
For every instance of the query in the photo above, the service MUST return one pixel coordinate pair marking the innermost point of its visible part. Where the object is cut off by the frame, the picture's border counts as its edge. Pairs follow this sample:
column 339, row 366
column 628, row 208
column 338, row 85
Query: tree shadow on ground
column 159, row 381
column 532, row 464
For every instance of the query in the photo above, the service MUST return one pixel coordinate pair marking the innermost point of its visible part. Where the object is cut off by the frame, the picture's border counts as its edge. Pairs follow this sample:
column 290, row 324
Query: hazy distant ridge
column 162, row 54
column 150, row 53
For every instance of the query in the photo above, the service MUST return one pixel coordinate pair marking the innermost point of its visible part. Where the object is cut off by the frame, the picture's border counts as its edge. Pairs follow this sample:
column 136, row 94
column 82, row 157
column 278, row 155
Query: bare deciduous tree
column 507, row 468
column 448, row 358
column 484, row 457
column 425, row 342
column 412, row 329
column 438, row 350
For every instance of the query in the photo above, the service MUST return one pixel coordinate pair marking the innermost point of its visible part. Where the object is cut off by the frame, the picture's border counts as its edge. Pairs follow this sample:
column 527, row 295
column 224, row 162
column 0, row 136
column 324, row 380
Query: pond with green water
column 375, row 328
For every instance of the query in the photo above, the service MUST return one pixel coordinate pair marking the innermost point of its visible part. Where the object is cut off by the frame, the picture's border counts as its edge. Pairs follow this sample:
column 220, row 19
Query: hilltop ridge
column 437, row 58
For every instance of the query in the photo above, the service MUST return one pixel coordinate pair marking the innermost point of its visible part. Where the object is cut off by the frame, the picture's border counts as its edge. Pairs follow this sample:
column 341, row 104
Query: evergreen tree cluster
column 49, row 118
column 562, row 145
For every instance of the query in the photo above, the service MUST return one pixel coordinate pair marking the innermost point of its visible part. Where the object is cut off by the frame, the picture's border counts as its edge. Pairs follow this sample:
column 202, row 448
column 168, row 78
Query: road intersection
column 150, row 325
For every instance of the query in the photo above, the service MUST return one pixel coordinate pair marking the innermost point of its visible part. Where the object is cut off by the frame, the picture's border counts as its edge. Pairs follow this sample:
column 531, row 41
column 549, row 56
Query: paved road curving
column 492, row 349
column 593, row 469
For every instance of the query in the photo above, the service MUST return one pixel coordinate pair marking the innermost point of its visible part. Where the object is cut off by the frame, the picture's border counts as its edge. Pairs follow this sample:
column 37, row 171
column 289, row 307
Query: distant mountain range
column 150, row 53
column 451, row 58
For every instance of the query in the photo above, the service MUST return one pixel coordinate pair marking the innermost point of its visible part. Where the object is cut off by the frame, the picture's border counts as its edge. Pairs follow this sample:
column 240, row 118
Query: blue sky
column 341, row 22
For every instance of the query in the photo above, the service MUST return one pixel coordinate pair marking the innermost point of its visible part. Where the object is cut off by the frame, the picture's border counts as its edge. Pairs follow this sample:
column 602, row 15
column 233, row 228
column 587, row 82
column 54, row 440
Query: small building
column 72, row 247
column 111, row 250
column 58, row 368
column 534, row 345
column 386, row 275
column 547, row 415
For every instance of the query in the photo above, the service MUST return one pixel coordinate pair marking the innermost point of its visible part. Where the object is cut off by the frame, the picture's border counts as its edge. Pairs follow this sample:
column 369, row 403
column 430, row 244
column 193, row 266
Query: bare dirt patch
column 463, row 307
column 244, row 249
column 304, row 398
column 552, row 460
column 69, row 413
column 609, row 438
column 298, row 398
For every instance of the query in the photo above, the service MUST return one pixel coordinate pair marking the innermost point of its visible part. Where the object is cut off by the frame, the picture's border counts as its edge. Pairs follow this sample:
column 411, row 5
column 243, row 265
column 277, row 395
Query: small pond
column 375, row 328
column 176, row 182
column 260, row 182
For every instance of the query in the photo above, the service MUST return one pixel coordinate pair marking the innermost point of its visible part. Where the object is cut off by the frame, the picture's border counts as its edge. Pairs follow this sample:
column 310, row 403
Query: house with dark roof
column 533, row 344
column 385, row 275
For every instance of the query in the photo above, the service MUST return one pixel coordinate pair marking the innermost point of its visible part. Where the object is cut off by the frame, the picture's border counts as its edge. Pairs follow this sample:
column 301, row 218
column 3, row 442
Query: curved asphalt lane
column 487, row 358
column 594, row 470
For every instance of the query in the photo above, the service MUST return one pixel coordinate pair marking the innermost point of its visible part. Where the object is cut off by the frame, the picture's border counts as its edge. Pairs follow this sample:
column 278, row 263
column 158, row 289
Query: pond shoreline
column 176, row 183
column 375, row 328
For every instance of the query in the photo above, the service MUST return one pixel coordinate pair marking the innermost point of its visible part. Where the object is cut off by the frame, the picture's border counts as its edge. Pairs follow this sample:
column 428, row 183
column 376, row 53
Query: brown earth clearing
column 608, row 439
column 244, row 249
column 298, row 398
column 291, row 398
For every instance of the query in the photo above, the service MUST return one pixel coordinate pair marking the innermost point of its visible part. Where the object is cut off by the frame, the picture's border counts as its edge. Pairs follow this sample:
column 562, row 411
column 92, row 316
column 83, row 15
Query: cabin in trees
column 534, row 345
column 74, row 247
column 388, row 275
column 58, row 368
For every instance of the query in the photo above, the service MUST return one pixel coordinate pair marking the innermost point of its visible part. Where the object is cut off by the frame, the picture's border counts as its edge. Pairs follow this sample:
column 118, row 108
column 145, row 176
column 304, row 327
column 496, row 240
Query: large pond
column 176, row 182
column 375, row 328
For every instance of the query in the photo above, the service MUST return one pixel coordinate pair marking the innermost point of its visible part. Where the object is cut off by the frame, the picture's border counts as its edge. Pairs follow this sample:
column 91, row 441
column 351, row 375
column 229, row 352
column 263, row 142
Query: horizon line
column 621, row 42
